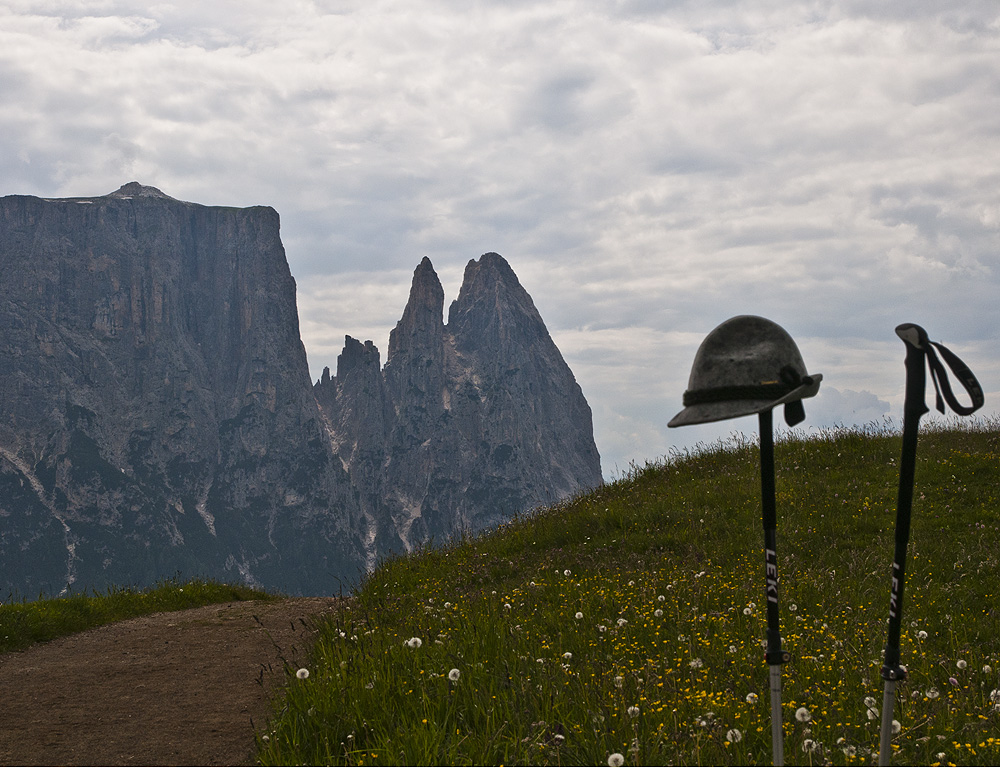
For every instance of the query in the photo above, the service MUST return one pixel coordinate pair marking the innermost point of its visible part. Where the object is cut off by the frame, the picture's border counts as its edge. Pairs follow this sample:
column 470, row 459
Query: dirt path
column 168, row 689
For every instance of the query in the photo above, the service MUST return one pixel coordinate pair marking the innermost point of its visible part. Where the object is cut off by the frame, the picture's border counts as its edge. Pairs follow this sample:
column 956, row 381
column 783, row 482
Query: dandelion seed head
column 414, row 642
column 619, row 681
column 633, row 711
column 803, row 715
column 696, row 663
column 810, row 745
column 578, row 616
column 454, row 675
column 921, row 635
column 961, row 664
column 987, row 669
column 658, row 613
column 932, row 693
column 302, row 674
column 567, row 655
column 896, row 726
column 661, row 598
column 734, row 735
column 752, row 698
column 616, row 760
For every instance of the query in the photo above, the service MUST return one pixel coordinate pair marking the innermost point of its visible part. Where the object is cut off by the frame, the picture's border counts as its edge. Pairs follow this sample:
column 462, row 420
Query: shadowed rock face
column 158, row 413
column 158, row 416
column 478, row 420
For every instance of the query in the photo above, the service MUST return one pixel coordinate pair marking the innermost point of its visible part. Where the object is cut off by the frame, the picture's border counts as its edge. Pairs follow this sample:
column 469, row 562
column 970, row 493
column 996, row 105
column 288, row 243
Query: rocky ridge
column 469, row 423
column 159, row 417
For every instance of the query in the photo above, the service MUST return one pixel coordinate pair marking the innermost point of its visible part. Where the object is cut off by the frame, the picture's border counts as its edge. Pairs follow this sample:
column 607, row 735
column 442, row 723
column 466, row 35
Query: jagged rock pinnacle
column 423, row 317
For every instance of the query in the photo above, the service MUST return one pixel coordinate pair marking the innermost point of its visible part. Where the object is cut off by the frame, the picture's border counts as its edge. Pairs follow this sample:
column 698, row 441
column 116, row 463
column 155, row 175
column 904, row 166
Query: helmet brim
column 703, row 413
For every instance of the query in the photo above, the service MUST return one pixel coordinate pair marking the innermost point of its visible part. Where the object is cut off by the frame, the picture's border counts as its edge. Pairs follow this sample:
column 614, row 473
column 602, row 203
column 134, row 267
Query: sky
column 648, row 168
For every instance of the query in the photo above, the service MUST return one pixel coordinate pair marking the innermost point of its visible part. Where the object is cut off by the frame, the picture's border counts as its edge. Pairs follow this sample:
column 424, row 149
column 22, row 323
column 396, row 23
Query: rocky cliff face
column 469, row 423
column 158, row 415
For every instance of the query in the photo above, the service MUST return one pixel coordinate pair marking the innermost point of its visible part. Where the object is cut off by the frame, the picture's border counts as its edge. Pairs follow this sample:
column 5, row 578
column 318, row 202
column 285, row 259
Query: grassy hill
column 631, row 621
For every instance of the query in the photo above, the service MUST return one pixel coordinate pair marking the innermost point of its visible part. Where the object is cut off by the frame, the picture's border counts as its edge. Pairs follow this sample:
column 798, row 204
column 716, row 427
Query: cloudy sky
column 648, row 168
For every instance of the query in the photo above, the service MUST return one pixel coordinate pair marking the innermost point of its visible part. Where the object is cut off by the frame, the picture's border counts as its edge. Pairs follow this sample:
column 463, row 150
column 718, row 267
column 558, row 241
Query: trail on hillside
column 183, row 688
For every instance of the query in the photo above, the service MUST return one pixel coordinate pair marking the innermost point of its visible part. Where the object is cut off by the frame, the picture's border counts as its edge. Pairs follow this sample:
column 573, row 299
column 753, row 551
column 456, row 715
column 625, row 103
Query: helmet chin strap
column 795, row 412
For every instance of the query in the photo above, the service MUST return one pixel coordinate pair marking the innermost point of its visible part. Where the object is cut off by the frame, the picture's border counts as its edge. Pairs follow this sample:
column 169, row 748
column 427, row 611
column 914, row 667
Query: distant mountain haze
column 159, row 418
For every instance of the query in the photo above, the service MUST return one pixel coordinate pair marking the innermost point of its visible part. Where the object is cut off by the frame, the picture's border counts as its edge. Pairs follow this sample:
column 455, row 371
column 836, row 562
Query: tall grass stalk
column 630, row 621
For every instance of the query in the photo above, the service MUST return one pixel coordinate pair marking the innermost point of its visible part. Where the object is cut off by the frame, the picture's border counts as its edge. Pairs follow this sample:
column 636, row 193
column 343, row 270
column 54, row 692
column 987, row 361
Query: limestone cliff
column 157, row 416
column 478, row 419
column 157, row 407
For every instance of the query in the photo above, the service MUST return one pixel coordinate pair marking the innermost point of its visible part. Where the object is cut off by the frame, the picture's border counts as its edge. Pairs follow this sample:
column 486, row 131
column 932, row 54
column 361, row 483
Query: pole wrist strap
column 943, row 386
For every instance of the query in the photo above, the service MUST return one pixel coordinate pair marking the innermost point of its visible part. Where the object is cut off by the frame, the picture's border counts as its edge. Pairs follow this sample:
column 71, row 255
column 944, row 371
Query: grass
column 629, row 622
column 23, row 623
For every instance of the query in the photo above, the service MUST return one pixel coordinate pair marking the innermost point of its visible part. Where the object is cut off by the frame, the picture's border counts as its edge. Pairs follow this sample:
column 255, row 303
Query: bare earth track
column 184, row 688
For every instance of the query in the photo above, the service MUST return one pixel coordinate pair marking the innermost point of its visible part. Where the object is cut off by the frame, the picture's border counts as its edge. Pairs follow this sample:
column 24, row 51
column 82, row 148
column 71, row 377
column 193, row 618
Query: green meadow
column 23, row 623
column 626, row 626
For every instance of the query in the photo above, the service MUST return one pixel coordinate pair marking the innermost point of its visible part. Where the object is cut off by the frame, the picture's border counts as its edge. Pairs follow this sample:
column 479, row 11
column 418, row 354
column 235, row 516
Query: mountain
column 159, row 418
column 469, row 423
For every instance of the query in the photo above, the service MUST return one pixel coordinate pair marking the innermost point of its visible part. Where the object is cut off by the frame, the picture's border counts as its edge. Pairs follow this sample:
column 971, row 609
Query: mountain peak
column 490, row 300
column 423, row 318
column 135, row 189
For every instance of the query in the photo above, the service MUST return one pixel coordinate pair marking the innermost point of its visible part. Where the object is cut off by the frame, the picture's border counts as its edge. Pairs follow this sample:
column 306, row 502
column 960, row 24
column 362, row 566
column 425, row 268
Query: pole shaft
column 914, row 407
column 885, row 737
column 775, row 656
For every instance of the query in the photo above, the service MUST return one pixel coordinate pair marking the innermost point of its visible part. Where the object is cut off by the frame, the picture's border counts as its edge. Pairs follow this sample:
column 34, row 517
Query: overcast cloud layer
column 649, row 169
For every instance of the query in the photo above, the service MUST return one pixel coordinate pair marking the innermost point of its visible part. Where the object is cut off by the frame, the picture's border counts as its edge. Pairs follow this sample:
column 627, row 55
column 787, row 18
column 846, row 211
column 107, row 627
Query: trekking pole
column 750, row 365
column 918, row 350
column 775, row 657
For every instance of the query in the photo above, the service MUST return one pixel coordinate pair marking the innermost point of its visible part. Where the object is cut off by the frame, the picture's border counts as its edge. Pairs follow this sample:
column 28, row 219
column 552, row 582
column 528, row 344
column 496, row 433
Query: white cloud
column 648, row 169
